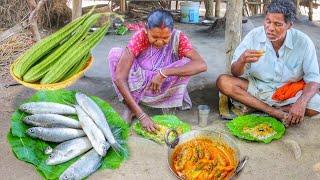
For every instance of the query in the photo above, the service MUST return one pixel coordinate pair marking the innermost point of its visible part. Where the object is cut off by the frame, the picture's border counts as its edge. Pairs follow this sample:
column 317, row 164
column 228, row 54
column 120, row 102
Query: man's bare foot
column 127, row 115
column 247, row 110
column 281, row 115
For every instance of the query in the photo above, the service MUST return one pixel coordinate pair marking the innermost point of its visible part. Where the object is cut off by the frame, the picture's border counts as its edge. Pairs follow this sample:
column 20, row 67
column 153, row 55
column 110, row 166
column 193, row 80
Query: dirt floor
column 149, row 160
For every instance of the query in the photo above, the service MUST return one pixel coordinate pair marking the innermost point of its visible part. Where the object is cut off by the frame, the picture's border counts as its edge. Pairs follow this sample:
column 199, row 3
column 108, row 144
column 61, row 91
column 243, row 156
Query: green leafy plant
column 122, row 30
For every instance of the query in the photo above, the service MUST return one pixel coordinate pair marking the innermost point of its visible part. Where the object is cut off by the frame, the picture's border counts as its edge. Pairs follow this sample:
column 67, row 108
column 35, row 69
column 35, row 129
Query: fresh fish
column 69, row 150
column 47, row 108
column 48, row 150
column 54, row 134
column 86, row 165
column 51, row 120
column 94, row 134
column 94, row 111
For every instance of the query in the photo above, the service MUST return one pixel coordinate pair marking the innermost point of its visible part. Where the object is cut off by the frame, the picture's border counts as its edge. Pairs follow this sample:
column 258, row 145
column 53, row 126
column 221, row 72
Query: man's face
column 276, row 27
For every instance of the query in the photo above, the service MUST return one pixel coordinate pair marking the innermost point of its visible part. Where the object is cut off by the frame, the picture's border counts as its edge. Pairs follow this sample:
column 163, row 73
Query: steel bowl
column 214, row 134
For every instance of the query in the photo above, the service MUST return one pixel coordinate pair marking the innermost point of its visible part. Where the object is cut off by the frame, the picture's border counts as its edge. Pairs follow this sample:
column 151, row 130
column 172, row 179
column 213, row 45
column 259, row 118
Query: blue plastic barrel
column 189, row 12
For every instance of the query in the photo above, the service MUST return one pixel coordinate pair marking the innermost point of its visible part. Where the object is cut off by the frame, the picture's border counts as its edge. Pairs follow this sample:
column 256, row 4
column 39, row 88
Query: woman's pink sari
column 173, row 91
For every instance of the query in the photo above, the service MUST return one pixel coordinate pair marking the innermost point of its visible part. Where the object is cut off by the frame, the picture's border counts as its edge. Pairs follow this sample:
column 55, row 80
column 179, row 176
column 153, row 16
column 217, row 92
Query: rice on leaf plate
column 256, row 128
column 32, row 150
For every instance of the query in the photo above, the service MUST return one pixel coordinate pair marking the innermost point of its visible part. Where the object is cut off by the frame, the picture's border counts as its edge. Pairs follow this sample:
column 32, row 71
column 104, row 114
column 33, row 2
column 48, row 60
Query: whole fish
column 51, row 120
column 48, row 150
column 54, row 134
column 94, row 134
column 83, row 167
column 47, row 108
column 94, row 111
column 68, row 150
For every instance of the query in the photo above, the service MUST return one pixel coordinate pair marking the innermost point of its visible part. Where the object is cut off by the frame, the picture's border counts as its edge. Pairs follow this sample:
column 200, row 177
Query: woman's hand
column 148, row 124
column 156, row 83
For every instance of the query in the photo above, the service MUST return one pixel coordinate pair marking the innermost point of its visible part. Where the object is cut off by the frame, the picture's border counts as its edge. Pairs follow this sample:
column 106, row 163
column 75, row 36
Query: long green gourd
column 41, row 48
column 78, row 67
column 72, row 56
column 38, row 71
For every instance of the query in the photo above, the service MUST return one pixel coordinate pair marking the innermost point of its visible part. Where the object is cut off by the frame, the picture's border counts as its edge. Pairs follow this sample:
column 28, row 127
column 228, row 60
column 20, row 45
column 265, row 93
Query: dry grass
column 12, row 12
column 10, row 49
column 15, row 45
column 54, row 14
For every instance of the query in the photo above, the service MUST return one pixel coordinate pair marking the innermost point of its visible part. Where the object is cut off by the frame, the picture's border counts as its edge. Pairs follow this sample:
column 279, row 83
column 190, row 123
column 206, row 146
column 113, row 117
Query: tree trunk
column 76, row 9
column 33, row 18
column 233, row 29
column 123, row 6
column 310, row 10
column 217, row 8
column 209, row 8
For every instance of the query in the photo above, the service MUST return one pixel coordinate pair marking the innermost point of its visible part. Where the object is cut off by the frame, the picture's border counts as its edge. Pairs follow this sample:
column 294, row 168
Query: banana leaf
column 240, row 127
column 31, row 150
column 164, row 122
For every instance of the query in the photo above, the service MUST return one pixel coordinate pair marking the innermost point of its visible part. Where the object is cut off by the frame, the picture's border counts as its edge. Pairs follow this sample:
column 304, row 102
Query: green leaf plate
column 247, row 127
column 167, row 121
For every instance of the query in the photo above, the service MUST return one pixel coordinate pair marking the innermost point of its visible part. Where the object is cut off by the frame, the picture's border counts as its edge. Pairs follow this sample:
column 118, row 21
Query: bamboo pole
column 233, row 29
column 76, row 9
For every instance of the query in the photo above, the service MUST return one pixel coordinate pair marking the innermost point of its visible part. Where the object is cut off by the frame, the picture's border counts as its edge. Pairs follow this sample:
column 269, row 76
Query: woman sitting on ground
column 154, row 69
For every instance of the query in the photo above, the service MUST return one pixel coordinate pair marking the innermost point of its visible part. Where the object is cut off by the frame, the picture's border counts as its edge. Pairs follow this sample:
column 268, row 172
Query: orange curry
column 204, row 158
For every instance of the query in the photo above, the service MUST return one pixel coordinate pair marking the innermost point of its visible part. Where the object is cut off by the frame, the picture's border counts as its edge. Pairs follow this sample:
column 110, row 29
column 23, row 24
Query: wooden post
column 76, row 9
column 310, row 10
column 123, row 6
column 169, row 5
column 297, row 3
column 217, row 8
column 233, row 29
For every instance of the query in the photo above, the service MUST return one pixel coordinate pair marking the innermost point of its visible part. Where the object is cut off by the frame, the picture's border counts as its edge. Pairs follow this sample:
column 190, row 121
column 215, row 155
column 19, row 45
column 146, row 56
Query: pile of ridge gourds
column 62, row 54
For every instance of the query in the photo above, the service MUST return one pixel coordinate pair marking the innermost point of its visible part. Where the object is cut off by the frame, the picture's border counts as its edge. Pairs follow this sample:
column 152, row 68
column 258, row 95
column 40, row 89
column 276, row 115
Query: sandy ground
column 149, row 160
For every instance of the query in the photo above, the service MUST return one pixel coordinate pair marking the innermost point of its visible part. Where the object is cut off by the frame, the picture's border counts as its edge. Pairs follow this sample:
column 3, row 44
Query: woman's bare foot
column 127, row 115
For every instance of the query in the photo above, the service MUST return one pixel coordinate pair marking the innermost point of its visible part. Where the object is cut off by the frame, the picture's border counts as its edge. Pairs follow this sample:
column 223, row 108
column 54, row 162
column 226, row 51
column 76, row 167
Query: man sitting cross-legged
column 275, row 57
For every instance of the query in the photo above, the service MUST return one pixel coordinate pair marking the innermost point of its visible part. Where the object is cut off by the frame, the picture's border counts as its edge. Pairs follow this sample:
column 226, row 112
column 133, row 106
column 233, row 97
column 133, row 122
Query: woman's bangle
column 163, row 75
column 141, row 116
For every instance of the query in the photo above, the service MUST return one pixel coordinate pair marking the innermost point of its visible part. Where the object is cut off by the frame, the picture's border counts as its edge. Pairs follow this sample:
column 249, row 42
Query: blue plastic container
column 189, row 12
